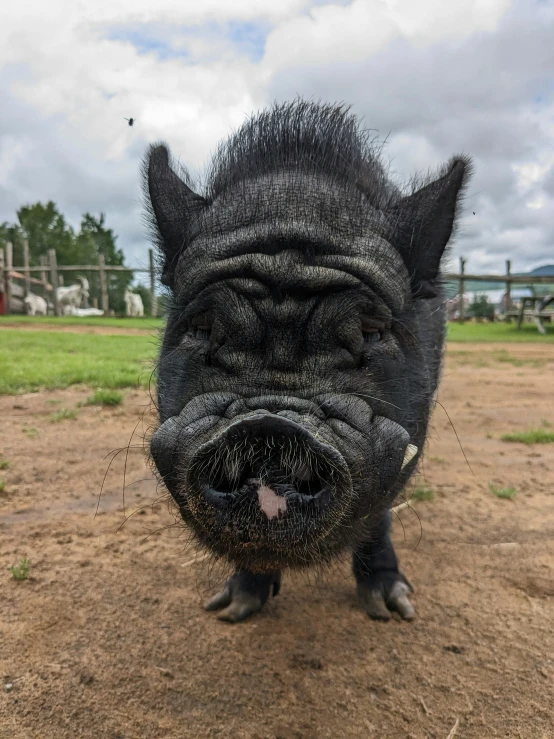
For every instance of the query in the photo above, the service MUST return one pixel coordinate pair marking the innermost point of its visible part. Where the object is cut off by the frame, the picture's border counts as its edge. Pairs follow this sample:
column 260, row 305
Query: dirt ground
column 107, row 638
column 75, row 329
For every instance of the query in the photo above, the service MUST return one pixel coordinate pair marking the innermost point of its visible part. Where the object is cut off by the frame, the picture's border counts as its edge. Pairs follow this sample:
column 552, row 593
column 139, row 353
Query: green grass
column 4, row 464
column 495, row 332
column 21, row 570
column 422, row 493
column 2, row 486
column 504, row 493
column 65, row 414
column 31, row 360
column 105, row 397
column 31, row 431
column 147, row 323
column 533, row 436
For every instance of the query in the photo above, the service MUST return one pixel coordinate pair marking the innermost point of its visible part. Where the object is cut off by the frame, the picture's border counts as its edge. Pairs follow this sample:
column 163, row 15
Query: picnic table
column 537, row 312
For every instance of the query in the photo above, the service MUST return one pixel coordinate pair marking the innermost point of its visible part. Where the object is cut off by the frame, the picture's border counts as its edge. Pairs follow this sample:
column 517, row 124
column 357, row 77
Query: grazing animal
column 133, row 304
column 302, row 349
column 71, row 297
column 35, row 305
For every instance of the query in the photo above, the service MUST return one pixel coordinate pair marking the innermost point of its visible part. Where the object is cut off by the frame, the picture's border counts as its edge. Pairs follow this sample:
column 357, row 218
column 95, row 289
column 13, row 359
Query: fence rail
column 84, row 268
column 513, row 280
column 507, row 279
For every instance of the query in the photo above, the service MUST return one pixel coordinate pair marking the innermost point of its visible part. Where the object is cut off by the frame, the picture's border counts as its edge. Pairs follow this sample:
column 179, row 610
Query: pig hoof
column 243, row 595
column 380, row 594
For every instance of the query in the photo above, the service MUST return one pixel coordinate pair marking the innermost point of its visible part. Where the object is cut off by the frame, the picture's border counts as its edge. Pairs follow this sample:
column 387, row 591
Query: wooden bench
column 537, row 313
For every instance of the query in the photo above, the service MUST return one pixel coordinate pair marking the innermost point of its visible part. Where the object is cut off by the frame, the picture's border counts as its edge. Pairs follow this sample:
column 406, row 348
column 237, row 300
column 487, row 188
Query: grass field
column 30, row 360
column 496, row 332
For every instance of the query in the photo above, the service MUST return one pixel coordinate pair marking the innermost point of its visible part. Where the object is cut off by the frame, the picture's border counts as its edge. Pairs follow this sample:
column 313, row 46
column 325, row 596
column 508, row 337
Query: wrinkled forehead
column 300, row 233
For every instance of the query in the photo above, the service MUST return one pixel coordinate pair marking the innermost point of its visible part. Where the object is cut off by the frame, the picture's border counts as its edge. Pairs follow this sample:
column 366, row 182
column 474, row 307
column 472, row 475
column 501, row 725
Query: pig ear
column 171, row 206
column 424, row 223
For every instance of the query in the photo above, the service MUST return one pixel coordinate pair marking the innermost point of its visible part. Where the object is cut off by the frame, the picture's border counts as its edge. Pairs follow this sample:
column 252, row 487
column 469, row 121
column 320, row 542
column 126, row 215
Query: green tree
column 12, row 233
column 45, row 228
column 481, row 308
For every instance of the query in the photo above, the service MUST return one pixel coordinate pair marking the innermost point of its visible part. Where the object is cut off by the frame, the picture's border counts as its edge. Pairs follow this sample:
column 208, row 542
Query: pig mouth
column 271, row 459
column 267, row 482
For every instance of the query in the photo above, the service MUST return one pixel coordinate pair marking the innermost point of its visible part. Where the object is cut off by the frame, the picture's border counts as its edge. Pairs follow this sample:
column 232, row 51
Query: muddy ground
column 107, row 637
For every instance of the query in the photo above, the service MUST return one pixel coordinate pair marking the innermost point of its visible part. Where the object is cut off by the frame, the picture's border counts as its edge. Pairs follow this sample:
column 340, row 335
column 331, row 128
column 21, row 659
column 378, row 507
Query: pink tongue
column 271, row 503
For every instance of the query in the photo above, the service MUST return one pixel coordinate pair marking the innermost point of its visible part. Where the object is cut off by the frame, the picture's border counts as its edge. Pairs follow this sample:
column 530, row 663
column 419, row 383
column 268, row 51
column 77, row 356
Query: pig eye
column 372, row 332
column 200, row 328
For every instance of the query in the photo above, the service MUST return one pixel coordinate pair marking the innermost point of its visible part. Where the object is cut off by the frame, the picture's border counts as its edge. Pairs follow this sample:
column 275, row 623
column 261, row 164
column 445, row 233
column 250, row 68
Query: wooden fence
column 507, row 279
column 12, row 293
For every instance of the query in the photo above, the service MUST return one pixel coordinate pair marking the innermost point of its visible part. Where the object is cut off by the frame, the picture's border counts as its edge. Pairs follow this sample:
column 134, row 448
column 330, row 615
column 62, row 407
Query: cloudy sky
column 431, row 77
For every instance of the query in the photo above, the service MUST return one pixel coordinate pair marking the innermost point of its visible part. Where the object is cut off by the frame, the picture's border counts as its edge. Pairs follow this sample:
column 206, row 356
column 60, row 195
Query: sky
column 430, row 78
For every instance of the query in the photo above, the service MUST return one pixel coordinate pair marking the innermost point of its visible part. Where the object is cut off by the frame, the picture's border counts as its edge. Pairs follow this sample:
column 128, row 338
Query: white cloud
column 338, row 33
column 434, row 78
column 533, row 173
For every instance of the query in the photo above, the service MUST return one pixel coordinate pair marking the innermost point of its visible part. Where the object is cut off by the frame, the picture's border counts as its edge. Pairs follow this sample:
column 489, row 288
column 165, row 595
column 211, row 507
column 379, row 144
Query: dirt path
column 107, row 639
column 75, row 329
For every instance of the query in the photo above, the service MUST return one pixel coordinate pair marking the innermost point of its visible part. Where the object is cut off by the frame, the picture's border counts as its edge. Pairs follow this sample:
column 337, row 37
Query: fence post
column 103, row 286
column 9, row 266
column 26, row 271
column 508, row 286
column 2, row 281
column 153, row 298
column 54, row 280
column 44, row 279
column 462, row 289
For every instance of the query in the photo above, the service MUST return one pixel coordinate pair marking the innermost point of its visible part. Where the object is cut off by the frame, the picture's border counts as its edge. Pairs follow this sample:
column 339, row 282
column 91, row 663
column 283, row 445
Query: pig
column 302, row 350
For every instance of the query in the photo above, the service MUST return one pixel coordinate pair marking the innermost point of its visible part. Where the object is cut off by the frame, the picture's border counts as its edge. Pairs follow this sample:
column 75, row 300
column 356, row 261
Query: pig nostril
column 310, row 487
column 243, row 478
column 269, row 464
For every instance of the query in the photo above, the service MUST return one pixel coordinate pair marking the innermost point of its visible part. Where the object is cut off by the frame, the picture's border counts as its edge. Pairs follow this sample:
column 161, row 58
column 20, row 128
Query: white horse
column 133, row 304
column 71, row 297
column 35, row 305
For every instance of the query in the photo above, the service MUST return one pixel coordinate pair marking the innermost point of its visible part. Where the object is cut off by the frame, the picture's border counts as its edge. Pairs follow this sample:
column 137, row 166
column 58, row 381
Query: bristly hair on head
column 316, row 138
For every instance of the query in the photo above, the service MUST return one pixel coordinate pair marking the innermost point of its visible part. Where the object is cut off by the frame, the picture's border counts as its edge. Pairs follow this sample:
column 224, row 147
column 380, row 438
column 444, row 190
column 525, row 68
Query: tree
column 12, row 233
column 45, row 228
column 481, row 308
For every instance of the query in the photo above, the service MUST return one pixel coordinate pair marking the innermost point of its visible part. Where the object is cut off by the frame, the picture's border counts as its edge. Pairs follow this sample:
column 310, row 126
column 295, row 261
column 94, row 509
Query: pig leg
column 381, row 587
column 244, row 594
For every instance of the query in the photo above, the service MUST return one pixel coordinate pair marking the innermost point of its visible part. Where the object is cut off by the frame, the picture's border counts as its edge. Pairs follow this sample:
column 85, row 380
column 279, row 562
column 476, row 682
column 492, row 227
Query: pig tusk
column 409, row 454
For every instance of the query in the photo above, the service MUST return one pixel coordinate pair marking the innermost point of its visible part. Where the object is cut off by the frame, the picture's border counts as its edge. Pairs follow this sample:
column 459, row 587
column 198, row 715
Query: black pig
column 302, row 350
